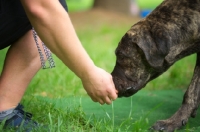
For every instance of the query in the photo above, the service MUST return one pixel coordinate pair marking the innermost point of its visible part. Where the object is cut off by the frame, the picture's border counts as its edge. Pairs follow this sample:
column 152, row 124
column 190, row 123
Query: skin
column 19, row 68
column 64, row 43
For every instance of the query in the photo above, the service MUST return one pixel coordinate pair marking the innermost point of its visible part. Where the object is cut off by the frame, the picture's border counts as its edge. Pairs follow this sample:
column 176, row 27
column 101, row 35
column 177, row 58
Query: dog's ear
column 155, row 45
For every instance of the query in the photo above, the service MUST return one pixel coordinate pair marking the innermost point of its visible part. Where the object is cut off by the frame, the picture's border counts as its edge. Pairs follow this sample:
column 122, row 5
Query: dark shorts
column 14, row 22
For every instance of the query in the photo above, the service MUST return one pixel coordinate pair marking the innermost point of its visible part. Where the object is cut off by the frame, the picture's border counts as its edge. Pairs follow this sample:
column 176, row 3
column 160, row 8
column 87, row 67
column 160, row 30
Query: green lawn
column 148, row 4
column 56, row 96
column 79, row 5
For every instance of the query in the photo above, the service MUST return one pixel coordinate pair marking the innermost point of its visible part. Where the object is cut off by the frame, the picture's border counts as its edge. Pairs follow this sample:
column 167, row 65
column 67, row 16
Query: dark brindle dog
column 151, row 46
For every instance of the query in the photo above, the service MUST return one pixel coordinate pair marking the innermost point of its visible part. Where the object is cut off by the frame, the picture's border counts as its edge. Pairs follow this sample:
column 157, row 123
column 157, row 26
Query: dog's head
column 138, row 58
column 153, row 44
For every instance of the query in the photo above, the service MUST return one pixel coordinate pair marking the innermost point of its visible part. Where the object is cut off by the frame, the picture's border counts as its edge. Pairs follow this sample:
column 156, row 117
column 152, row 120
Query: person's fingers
column 112, row 94
column 101, row 102
column 107, row 100
column 116, row 91
column 93, row 99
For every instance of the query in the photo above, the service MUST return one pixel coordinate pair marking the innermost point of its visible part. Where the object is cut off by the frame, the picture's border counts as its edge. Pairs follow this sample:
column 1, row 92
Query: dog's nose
column 130, row 91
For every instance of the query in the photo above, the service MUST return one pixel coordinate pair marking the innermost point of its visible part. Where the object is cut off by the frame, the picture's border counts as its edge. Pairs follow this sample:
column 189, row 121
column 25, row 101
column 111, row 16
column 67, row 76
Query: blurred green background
column 80, row 5
column 100, row 31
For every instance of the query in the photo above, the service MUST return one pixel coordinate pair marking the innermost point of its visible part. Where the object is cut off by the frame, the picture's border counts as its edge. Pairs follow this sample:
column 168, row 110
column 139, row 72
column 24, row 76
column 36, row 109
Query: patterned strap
column 46, row 51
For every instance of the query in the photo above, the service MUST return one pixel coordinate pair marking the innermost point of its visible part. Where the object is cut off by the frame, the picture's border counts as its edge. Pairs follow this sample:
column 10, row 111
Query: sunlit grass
column 48, row 95
column 79, row 5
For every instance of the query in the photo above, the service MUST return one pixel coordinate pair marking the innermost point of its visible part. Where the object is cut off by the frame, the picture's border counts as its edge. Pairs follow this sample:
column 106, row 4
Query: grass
column 56, row 96
column 79, row 5
column 147, row 4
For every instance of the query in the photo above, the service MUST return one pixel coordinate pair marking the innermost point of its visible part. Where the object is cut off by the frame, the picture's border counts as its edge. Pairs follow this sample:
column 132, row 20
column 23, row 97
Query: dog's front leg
column 189, row 106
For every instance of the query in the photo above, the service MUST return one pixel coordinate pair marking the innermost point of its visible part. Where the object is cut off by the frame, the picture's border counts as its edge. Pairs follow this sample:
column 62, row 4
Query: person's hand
column 99, row 86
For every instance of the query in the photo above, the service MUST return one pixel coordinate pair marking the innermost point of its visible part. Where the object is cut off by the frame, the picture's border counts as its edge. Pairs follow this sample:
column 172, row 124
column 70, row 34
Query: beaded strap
column 46, row 51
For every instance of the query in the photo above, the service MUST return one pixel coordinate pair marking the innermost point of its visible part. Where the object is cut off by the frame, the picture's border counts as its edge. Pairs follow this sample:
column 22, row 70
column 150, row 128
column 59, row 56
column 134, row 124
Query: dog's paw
column 160, row 126
column 167, row 125
column 157, row 127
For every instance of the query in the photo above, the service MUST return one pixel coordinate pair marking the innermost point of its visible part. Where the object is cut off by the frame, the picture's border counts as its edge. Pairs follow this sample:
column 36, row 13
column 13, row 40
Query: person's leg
column 22, row 60
column 21, row 64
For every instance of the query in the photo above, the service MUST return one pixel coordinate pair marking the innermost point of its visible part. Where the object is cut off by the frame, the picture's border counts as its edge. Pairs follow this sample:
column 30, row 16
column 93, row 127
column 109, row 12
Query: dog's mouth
column 125, row 87
column 130, row 91
column 127, row 92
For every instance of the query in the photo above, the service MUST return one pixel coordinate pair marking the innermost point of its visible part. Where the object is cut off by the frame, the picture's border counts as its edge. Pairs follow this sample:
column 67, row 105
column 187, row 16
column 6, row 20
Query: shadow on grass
column 142, row 109
column 133, row 114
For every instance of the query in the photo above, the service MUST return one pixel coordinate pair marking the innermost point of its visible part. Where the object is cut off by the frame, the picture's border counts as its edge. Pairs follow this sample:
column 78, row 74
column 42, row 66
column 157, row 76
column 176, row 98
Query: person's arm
column 54, row 27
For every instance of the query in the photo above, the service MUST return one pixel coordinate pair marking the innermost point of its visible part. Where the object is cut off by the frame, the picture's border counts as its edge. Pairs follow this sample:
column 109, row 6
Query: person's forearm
column 54, row 27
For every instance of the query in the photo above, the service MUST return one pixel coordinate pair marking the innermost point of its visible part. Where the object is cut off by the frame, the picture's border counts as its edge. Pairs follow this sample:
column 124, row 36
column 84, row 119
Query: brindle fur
column 170, row 33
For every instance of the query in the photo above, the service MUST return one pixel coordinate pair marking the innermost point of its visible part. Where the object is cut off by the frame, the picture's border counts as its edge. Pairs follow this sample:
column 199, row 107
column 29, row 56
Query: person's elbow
column 34, row 8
